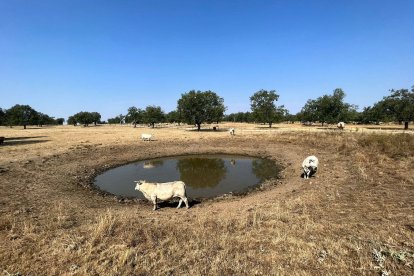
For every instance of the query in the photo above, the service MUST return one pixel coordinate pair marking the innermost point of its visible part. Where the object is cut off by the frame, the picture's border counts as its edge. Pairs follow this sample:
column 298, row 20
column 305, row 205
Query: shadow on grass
column 174, row 203
column 24, row 142
column 264, row 127
column 391, row 128
column 23, row 138
column 209, row 130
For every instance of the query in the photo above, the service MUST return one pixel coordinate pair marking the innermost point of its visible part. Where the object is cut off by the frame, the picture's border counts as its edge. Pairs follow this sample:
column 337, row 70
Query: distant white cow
column 310, row 166
column 162, row 191
column 232, row 131
column 146, row 137
column 341, row 125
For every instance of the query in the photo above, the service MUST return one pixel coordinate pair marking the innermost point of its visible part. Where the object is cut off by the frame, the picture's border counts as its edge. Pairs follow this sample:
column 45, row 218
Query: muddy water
column 205, row 176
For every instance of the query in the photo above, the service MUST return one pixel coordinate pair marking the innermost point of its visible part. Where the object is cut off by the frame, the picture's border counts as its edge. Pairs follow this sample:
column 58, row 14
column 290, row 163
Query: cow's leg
column 154, row 201
column 179, row 203
column 306, row 173
column 186, row 202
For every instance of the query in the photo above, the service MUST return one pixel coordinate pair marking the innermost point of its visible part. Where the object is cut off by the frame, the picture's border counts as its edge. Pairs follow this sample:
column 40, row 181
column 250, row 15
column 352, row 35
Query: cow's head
column 139, row 182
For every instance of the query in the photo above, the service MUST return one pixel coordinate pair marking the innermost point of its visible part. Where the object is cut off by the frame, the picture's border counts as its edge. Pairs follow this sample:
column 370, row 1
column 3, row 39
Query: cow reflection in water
column 201, row 172
column 152, row 164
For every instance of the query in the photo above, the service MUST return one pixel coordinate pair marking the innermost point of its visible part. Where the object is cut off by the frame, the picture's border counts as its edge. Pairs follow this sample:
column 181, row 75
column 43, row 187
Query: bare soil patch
column 356, row 216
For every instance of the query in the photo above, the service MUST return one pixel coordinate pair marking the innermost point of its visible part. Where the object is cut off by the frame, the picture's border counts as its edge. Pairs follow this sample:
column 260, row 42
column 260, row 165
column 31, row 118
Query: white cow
column 310, row 166
column 146, row 137
column 341, row 125
column 232, row 131
column 162, row 191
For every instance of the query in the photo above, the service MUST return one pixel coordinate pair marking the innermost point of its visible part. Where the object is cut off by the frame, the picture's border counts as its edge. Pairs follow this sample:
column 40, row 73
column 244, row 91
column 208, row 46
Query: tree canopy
column 328, row 108
column 173, row 116
column 3, row 119
column 22, row 115
column 239, row 117
column 264, row 109
column 134, row 116
column 154, row 114
column 84, row 118
column 198, row 107
column 399, row 106
column 117, row 120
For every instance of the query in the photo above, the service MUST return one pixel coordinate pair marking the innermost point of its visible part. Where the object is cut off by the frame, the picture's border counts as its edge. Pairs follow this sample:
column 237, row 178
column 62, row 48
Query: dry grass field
column 355, row 217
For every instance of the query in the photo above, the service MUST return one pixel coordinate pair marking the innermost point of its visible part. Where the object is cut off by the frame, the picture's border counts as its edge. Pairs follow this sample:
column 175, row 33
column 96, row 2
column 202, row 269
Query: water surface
column 205, row 176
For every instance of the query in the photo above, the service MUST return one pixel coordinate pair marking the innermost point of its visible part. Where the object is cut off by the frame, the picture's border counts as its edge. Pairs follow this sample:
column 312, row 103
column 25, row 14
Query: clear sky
column 66, row 56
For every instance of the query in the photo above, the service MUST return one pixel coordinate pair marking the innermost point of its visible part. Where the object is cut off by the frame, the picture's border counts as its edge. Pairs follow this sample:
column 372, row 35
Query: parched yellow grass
column 358, row 205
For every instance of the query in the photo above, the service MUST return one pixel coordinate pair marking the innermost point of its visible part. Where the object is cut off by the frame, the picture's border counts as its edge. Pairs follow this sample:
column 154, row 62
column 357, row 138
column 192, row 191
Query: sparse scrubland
column 356, row 216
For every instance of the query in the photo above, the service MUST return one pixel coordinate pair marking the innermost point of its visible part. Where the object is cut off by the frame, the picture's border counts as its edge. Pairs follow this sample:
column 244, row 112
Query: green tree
column 264, row 109
column 328, row 108
column 398, row 106
column 309, row 112
column 198, row 107
column 60, row 121
column 134, row 116
column 84, row 118
column 290, row 118
column 173, row 116
column 3, row 119
column 117, row 120
column 72, row 121
column 239, row 117
column 95, row 117
column 377, row 113
column 44, row 119
column 153, row 114
column 21, row 115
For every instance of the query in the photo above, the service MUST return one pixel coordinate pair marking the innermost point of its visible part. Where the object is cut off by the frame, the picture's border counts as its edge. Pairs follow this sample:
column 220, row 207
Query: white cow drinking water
column 310, row 166
column 162, row 191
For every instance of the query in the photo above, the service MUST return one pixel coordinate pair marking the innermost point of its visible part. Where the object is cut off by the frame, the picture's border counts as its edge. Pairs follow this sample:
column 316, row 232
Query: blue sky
column 66, row 56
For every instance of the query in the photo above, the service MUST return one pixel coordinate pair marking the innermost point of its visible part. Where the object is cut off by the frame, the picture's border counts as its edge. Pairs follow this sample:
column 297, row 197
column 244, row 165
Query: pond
column 205, row 176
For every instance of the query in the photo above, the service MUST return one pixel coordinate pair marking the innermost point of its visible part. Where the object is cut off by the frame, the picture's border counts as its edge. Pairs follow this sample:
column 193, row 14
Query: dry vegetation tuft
column 356, row 216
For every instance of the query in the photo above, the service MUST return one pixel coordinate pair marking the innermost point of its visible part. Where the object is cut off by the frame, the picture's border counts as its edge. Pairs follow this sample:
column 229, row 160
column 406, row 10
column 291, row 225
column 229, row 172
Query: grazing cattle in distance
column 232, row 131
column 162, row 191
column 310, row 166
column 341, row 125
column 146, row 137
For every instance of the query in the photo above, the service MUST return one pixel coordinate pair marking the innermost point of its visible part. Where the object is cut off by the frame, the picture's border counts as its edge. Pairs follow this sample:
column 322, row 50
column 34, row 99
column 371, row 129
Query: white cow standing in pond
column 162, row 191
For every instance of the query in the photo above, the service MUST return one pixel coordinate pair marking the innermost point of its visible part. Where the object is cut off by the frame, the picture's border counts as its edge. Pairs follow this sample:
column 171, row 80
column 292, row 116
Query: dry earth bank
column 356, row 216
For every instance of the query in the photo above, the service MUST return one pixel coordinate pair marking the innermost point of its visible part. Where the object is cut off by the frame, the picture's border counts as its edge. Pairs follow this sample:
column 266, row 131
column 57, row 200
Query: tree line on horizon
column 197, row 107
column 23, row 115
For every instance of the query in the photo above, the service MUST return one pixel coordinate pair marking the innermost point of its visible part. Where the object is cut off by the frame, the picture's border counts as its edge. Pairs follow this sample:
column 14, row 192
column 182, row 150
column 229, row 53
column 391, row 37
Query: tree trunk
column 135, row 125
column 24, row 126
column 198, row 127
column 405, row 125
column 270, row 124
